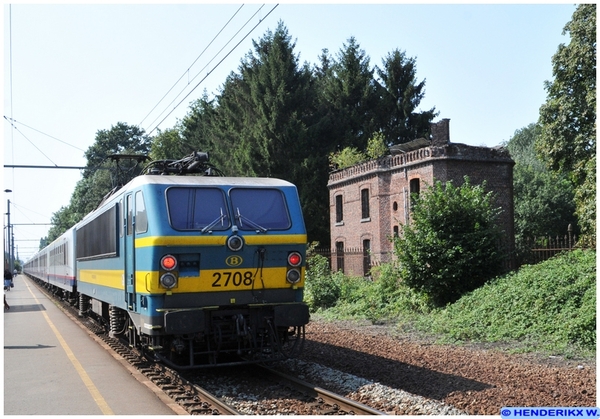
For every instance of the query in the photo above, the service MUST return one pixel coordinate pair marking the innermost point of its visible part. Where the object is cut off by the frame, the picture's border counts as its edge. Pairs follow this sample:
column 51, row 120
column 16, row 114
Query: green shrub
column 451, row 245
column 321, row 289
column 383, row 297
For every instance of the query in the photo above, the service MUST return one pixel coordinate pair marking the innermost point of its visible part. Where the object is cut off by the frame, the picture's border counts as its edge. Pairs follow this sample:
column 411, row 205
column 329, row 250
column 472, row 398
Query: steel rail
column 336, row 401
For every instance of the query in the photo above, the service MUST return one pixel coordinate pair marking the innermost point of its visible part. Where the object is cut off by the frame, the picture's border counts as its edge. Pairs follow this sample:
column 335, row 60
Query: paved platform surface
column 54, row 367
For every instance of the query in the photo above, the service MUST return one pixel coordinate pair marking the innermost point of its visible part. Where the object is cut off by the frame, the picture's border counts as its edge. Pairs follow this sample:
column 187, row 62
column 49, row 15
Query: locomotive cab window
column 197, row 208
column 141, row 217
column 259, row 209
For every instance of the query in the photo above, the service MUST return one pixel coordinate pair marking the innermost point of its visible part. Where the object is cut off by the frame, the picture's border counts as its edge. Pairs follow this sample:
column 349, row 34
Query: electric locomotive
column 197, row 270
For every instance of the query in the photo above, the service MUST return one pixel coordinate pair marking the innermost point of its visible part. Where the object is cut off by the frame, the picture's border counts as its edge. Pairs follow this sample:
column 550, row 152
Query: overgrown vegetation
column 349, row 156
column 544, row 204
column 551, row 304
column 548, row 307
column 335, row 295
column 452, row 244
column 567, row 141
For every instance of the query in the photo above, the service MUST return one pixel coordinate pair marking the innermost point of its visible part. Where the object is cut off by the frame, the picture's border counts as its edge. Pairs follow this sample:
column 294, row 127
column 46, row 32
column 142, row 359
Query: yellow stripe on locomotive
column 218, row 240
column 211, row 280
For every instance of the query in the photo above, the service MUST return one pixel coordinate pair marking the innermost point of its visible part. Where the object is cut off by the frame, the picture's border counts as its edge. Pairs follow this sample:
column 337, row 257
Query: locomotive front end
column 223, row 272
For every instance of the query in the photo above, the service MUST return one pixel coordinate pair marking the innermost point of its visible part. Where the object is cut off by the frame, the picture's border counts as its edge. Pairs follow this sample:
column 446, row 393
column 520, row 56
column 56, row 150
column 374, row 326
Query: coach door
column 129, row 252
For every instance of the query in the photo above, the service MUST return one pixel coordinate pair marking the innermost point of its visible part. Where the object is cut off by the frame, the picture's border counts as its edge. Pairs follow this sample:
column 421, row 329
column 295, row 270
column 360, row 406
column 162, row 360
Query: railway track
column 187, row 390
column 329, row 402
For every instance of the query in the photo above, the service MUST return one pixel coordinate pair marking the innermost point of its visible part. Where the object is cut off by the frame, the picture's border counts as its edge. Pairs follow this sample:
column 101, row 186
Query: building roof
column 410, row 146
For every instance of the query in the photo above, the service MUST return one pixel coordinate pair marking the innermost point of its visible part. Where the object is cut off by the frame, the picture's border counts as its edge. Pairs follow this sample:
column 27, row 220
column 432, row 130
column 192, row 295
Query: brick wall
column 388, row 181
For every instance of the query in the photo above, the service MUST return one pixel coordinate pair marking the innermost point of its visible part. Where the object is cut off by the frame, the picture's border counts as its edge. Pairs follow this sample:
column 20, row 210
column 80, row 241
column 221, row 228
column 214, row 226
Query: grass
column 549, row 307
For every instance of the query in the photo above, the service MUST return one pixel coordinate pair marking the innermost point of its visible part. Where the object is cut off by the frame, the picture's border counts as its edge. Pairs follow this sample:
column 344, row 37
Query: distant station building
column 370, row 201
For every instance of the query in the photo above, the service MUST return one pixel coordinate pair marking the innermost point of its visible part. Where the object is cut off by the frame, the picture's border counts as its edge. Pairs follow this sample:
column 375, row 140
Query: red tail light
column 295, row 259
column 168, row 262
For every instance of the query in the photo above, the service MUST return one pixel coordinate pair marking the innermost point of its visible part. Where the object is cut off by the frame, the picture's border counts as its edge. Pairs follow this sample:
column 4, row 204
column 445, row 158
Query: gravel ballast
column 416, row 377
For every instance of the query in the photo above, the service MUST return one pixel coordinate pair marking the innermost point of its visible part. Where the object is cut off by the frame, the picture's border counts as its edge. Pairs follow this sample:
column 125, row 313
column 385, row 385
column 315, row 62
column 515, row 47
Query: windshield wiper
column 240, row 217
column 215, row 222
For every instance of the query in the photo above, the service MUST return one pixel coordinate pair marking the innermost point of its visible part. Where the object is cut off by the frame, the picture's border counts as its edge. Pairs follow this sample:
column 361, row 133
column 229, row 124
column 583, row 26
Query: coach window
column 141, row 217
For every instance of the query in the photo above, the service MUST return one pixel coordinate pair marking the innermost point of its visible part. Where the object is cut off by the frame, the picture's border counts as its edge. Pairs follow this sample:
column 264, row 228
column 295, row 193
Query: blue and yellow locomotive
column 196, row 270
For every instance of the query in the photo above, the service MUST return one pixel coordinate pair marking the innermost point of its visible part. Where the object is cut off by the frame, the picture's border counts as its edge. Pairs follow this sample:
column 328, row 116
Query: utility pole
column 11, row 258
column 9, row 237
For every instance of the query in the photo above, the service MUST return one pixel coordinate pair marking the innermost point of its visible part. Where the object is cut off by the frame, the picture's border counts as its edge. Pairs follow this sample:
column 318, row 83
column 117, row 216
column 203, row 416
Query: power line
column 188, row 70
column 24, row 136
column 48, row 135
column 201, row 70
column 213, row 69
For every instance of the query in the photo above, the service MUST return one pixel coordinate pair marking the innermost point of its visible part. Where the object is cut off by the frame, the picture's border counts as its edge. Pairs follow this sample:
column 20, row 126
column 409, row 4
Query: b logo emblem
column 234, row 261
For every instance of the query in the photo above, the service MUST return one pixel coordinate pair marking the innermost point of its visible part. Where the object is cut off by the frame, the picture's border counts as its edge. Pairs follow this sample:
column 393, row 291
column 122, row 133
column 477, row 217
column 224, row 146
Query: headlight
column 235, row 243
column 168, row 280
column 293, row 276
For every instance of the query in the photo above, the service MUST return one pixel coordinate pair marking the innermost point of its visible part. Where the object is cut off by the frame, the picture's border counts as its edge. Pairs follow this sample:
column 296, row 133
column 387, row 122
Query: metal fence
column 351, row 261
column 539, row 249
column 358, row 261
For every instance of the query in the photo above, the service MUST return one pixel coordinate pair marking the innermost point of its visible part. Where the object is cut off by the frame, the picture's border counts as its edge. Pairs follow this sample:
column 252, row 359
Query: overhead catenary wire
column 191, row 65
column 203, row 68
column 47, row 135
column 20, row 209
column 31, row 142
column 213, row 69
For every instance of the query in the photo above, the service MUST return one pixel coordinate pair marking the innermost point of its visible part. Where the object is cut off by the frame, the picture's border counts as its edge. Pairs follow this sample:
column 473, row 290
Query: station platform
column 52, row 366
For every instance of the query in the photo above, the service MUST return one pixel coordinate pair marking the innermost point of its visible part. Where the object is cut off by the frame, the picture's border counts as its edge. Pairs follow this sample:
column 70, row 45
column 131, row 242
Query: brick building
column 369, row 201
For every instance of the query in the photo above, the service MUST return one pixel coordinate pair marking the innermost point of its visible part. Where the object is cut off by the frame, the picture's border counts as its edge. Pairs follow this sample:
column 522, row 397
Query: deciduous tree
column 568, row 118
column 100, row 177
column 543, row 200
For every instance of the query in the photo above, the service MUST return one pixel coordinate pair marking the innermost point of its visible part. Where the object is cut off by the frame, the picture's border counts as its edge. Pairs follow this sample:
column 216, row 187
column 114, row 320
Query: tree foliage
column 349, row 156
column 348, row 93
column 543, row 200
column 100, row 175
column 568, row 118
column 169, row 144
column 451, row 245
column 392, row 100
column 376, row 146
column 401, row 96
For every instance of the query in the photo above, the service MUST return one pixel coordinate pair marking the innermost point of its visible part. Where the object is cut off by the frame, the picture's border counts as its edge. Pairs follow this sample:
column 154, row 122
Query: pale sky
column 71, row 70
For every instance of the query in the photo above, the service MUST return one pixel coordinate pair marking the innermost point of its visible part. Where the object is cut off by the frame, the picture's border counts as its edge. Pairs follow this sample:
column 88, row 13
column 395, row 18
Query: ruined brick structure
column 369, row 201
